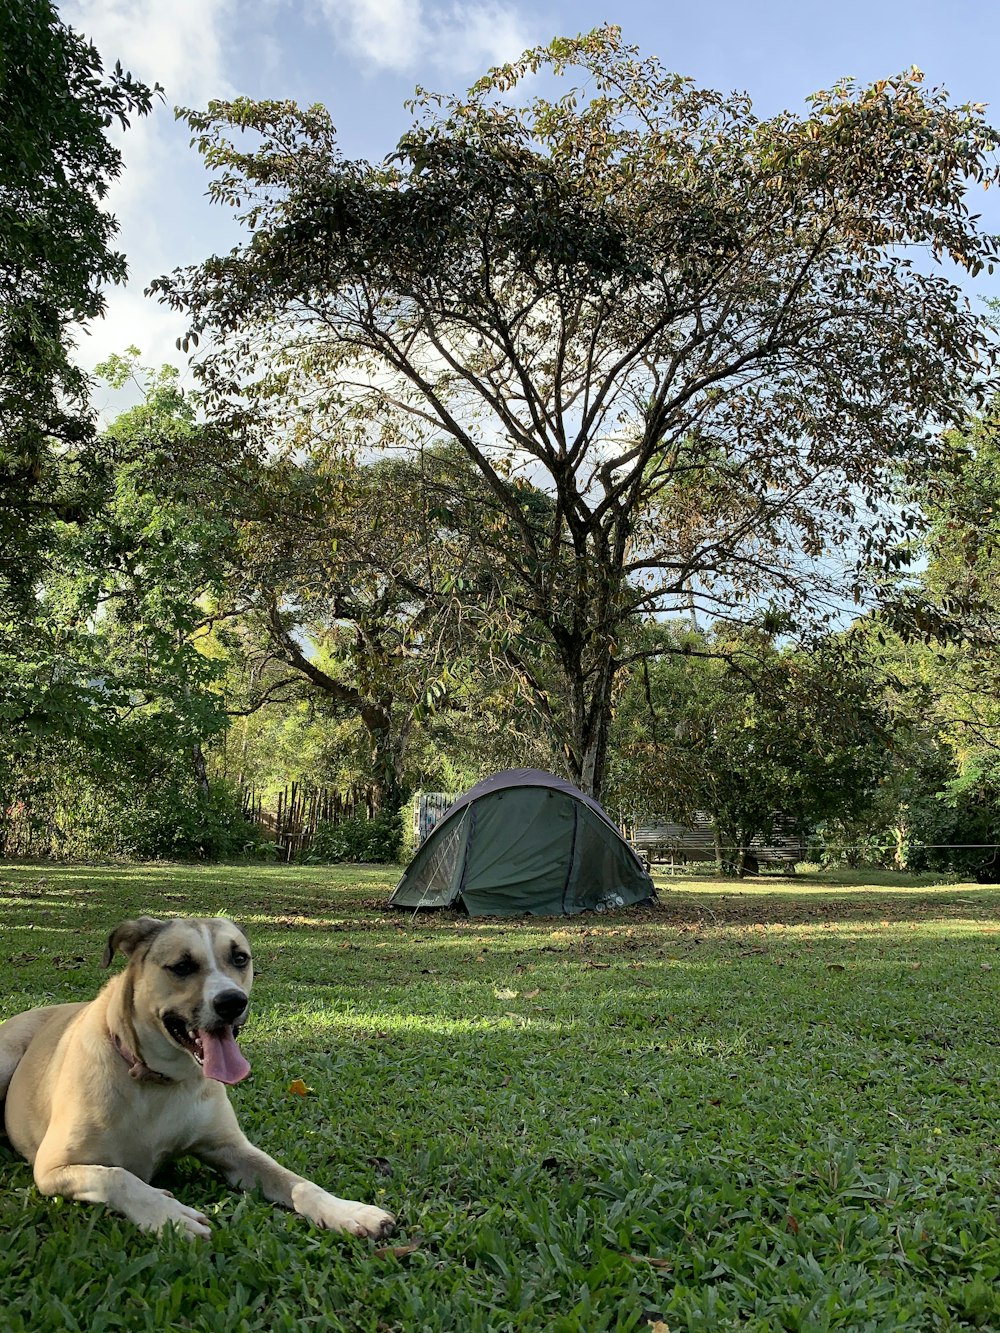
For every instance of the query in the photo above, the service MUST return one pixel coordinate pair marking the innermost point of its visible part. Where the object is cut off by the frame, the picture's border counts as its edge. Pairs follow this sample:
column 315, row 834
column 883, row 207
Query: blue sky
column 363, row 58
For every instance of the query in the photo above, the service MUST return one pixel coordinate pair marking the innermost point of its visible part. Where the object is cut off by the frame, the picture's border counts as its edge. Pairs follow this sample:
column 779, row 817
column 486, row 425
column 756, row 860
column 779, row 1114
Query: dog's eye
column 184, row 967
column 240, row 959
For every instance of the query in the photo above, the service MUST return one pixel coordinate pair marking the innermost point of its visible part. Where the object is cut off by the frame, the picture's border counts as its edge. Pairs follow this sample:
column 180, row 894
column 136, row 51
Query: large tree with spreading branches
column 57, row 257
column 714, row 341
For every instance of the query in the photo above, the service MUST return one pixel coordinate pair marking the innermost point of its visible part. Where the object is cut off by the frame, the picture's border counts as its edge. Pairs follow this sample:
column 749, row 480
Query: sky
column 363, row 59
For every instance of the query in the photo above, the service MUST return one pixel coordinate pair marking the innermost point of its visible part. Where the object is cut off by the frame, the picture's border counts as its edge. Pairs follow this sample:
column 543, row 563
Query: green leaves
column 700, row 334
column 55, row 261
column 762, row 739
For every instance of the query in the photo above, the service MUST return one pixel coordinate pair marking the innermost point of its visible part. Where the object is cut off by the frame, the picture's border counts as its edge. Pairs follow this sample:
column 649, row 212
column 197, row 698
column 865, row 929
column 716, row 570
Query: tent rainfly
column 524, row 841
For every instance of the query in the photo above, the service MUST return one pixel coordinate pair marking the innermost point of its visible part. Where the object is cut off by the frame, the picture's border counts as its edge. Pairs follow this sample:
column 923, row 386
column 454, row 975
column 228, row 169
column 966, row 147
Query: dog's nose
column 229, row 1004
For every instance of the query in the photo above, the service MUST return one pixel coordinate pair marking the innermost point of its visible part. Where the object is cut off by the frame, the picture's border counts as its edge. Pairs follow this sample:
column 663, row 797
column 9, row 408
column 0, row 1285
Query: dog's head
column 187, row 987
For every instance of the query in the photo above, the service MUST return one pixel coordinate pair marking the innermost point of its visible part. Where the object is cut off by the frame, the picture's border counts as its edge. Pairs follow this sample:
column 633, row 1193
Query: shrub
column 360, row 840
column 170, row 819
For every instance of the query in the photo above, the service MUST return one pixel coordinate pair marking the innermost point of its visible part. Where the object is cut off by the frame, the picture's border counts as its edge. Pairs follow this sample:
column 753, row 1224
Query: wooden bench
column 680, row 844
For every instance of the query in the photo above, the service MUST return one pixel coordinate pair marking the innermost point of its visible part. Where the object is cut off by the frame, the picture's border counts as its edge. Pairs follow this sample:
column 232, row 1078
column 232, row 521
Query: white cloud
column 204, row 49
column 131, row 319
column 404, row 35
column 177, row 44
column 180, row 45
column 159, row 198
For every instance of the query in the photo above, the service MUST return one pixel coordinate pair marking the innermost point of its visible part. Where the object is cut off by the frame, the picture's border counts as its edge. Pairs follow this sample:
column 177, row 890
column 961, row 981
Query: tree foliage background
column 56, row 259
column 699, row 333
column 576, row 432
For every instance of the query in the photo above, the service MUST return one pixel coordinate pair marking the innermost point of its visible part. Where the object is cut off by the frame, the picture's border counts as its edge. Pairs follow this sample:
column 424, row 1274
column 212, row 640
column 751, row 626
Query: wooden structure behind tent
column 679, row 844
column 428, row 810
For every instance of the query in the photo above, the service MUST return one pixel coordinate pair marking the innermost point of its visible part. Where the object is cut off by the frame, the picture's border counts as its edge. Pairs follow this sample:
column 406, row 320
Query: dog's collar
column 137, row 1068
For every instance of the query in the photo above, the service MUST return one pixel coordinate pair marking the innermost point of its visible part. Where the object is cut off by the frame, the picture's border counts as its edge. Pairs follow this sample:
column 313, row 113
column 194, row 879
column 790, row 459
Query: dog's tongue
column 222, row 1059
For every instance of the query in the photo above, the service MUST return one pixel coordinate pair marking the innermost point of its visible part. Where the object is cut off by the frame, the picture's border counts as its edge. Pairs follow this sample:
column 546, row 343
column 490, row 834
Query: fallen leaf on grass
column 396, row 1251
column 655, row 1321
column 299, row 1088
column 530, row 994
column 505, row 994
column 590, row 963
column 836, row 967
column 68, row 964
column 653, row 1260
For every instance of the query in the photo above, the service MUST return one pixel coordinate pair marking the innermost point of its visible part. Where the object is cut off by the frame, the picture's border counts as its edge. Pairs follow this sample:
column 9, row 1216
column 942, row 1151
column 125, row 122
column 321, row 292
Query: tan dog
column 100, row 1095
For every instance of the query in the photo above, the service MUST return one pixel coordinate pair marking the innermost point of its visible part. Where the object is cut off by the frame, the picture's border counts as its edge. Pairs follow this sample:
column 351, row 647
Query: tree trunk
column 592, row 718
column 388, row 748
column 200, row 767
column 388, row 756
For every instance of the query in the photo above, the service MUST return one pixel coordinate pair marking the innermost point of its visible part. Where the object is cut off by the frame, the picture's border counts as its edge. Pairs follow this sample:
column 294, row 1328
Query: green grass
column 765, row 1107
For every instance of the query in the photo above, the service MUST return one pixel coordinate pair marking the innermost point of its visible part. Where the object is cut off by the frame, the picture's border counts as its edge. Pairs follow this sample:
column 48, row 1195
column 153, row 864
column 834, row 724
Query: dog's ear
column 127, row 935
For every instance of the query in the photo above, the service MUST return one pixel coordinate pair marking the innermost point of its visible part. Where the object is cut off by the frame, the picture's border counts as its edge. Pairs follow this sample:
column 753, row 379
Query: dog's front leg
column 245, row 1167
column 149, row 1208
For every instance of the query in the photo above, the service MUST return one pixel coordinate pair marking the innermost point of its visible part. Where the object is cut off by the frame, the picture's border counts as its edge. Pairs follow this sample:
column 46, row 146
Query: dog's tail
column 16, row 1035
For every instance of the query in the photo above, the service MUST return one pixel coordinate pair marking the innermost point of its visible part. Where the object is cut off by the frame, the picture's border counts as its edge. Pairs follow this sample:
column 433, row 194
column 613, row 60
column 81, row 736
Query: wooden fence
column 301, row 808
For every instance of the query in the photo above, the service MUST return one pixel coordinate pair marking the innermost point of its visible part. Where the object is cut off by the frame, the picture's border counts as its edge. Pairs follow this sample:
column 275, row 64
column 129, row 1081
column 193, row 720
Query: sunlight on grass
column 760, row 1106
column 320, row 1023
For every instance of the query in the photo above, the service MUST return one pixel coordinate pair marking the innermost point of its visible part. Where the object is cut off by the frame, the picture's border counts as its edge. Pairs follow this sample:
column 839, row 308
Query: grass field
column 766, row 1107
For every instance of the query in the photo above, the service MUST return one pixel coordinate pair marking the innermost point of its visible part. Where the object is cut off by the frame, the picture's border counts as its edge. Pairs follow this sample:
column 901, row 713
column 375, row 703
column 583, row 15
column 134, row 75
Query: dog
column 100, row 1095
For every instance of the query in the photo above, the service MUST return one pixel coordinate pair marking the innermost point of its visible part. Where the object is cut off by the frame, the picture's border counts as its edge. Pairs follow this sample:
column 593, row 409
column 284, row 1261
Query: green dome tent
column 524, row 841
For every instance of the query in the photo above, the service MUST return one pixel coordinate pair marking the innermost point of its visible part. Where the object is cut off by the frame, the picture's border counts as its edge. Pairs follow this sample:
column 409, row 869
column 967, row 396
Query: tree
column 937, row 645
column 55, row 249
column 349, row 589
column 761, row 739
column 56, row 259
column 700, row 333
column 937, row 804
column 128, row 700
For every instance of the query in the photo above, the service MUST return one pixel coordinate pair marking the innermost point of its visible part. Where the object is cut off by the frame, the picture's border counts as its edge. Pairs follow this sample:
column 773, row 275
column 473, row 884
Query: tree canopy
column 56, row 259
column 762, row 740
column 56, row 250
column 703, row 334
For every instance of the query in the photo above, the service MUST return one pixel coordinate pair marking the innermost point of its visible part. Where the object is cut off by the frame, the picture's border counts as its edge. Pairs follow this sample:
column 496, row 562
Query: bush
column 934, row 824
column 359, row 840
column 172, row 819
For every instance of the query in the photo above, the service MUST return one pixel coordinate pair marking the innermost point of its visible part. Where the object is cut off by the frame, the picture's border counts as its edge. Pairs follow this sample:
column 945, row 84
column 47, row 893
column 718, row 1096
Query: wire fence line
column 889, row 846
column 912, row 846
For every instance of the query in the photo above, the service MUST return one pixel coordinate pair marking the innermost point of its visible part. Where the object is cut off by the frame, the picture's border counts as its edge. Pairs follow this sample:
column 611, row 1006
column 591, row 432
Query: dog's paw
column 367, row 1220
column 160, row 1209
column 326, row 1210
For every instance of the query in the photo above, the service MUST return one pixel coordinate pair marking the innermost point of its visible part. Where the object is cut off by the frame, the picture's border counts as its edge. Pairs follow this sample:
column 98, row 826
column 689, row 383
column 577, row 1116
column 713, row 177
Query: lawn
column 761, row 1107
